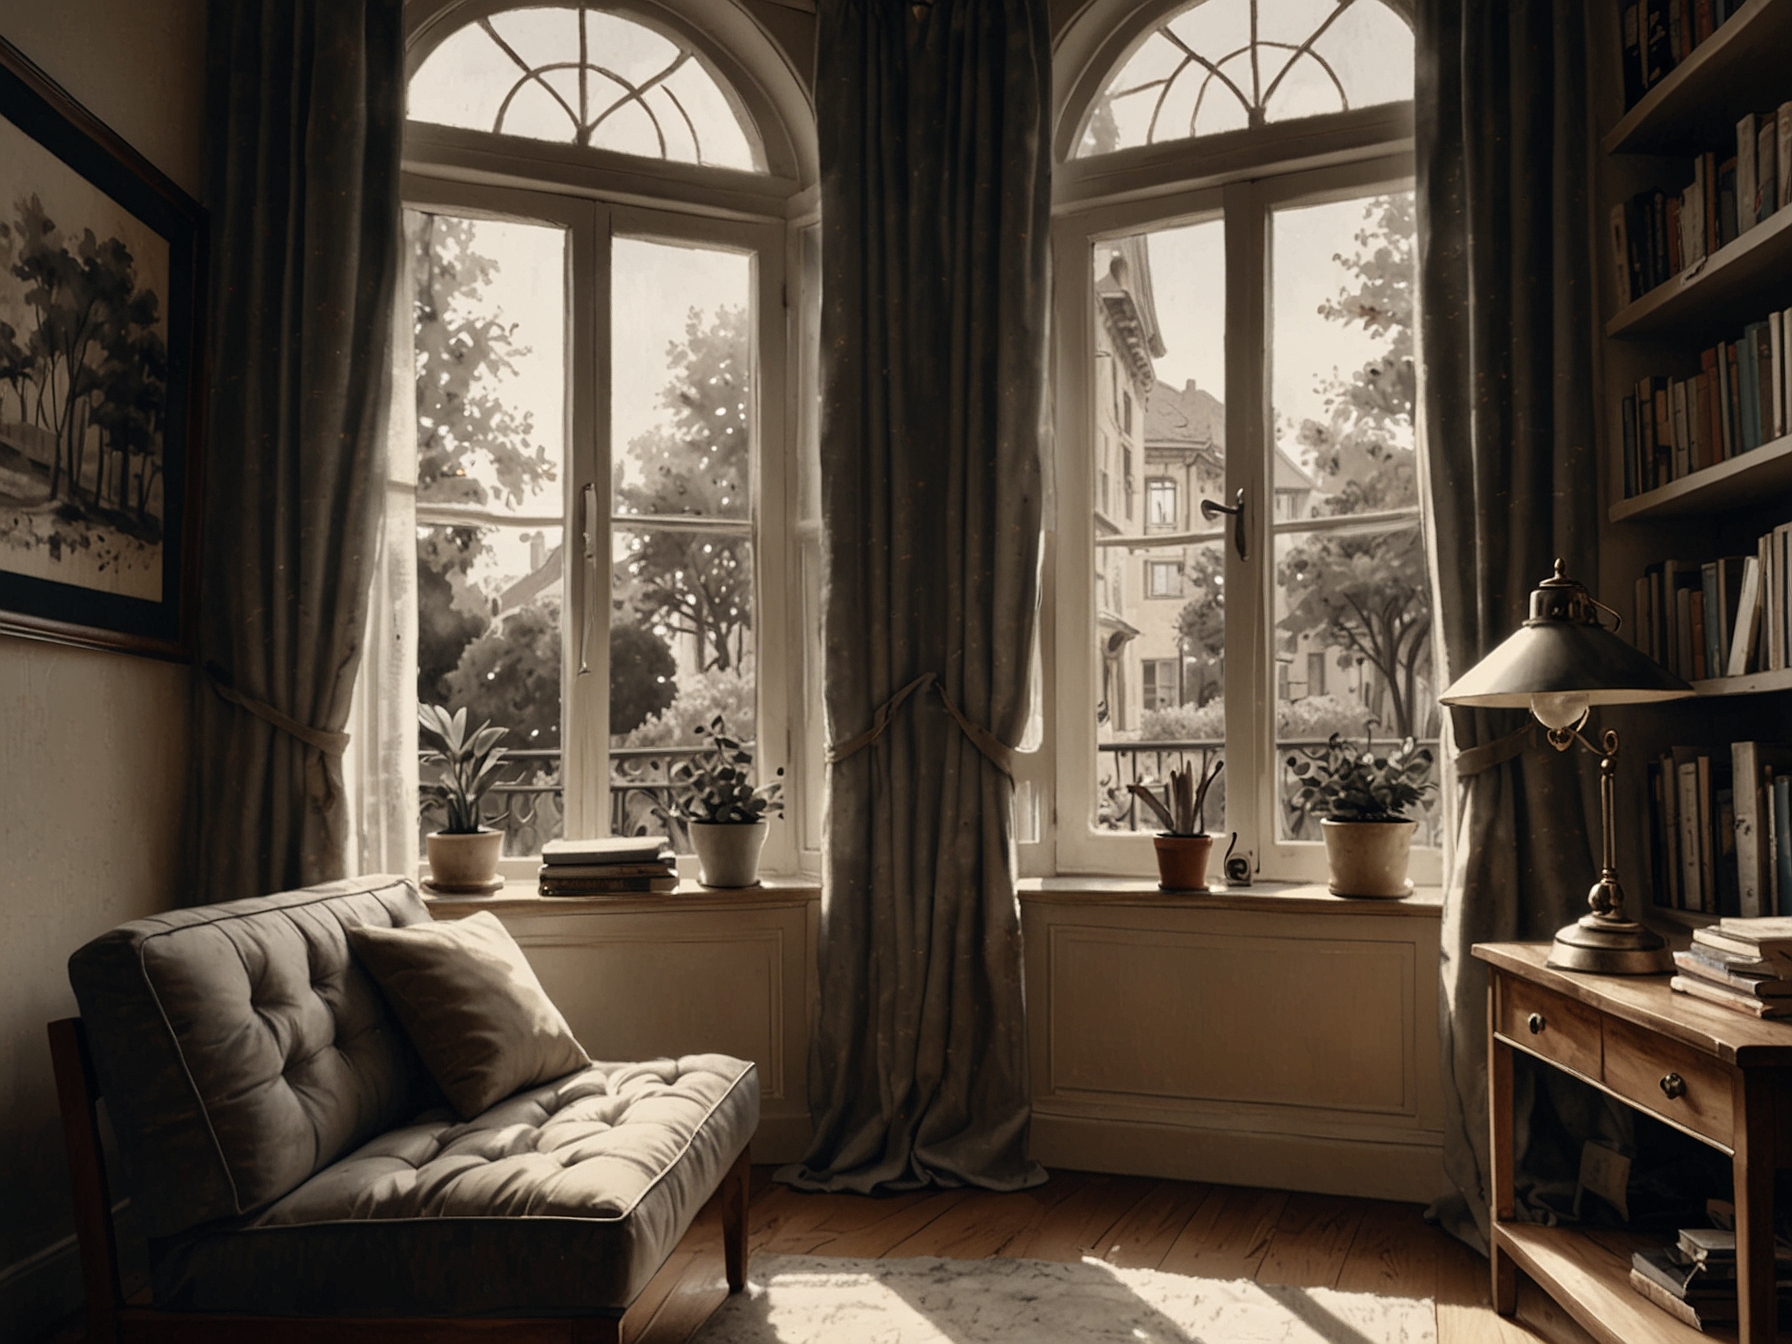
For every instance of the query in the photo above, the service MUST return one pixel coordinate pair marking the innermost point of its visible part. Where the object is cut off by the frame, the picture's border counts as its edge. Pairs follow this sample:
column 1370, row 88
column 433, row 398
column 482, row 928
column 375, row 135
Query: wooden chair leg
column 78, row 1095
column 735, row 1187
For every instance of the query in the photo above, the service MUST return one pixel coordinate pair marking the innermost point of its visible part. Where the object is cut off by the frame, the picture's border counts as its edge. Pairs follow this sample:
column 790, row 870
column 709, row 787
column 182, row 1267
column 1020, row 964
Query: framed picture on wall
column 101, row 263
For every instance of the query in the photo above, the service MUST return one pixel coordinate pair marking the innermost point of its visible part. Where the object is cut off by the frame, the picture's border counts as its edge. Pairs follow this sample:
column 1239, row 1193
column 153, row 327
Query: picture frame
column 102, row 272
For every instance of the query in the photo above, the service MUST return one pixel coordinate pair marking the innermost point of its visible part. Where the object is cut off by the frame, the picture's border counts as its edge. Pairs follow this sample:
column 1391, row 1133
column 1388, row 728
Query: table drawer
column 1550, row 1024
column 1670, row 1079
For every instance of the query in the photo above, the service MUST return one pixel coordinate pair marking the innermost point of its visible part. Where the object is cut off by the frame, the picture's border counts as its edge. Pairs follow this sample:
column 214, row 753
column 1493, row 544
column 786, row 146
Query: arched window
column 1233, row 251
column 1225, row 65
column 599, row 451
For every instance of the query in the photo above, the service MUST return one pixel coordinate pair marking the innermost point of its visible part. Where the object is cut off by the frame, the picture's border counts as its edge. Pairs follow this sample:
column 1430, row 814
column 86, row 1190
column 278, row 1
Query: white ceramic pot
column 728, row 852
column 464, row 863
column 1368, row 858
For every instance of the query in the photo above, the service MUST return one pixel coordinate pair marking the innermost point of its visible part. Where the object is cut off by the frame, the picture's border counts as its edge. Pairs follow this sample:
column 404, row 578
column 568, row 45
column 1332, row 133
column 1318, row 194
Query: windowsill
column 1268, row 897
column 521, row 895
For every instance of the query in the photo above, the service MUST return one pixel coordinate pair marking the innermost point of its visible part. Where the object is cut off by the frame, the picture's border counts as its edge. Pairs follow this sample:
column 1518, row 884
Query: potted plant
column 1183, row 846
column 1361, row 799
column 463, row 856
column 723, row 811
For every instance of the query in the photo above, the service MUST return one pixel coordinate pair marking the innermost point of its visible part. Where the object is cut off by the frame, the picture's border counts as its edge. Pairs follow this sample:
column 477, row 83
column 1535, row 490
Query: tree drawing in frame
column 99, row 254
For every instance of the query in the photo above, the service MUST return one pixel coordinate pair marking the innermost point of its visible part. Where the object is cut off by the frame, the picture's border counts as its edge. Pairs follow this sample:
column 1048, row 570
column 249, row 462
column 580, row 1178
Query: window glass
column 1227, row 65
column 489, row 322
column 681, row 609
column 583, row 76
column 1160, row 329
column 1352, row 600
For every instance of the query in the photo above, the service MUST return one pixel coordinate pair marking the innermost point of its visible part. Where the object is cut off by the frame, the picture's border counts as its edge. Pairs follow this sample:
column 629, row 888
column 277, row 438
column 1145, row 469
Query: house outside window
column 1159, row 683
column 603, row 481
column 1191, row 232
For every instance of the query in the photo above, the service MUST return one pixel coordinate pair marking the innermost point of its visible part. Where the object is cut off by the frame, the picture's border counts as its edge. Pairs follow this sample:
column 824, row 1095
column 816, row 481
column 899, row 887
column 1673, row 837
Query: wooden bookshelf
column 1594, row 1285
column 1755, row 683
column 1741, row 68
column 1735, row 285
column 1755, row 476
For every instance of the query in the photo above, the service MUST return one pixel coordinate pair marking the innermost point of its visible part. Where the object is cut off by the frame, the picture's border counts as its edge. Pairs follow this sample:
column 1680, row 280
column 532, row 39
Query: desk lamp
column 1559, row 664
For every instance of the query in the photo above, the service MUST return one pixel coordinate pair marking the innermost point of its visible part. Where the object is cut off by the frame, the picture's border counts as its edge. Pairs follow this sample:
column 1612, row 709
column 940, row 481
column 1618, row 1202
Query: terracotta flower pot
column 728, row 852
column 1182, row 861
column 1368, row 858
column 464, row 863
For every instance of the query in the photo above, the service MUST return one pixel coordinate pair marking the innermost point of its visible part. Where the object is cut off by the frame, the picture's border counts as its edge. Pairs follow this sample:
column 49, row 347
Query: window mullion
column 1248, row 749
column 585, row 764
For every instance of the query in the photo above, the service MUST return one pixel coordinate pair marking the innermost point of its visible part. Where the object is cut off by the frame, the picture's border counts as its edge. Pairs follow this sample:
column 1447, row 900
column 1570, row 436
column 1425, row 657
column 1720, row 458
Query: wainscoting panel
column 690, row 973
column 1276, row 1037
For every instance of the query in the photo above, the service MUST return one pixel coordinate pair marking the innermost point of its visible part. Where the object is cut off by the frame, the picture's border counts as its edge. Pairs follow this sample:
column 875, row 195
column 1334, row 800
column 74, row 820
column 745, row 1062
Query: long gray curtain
column 305, row 126
column 934, row 207
column 1507, row 330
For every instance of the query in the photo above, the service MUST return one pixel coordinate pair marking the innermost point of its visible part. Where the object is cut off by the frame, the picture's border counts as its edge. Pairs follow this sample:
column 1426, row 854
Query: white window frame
column 1239, row 177
column 1173, row 568
column 596, row 196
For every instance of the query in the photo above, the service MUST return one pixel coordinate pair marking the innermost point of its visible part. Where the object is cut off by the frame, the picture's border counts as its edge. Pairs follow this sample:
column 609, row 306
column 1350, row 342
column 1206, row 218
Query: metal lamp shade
column 1557, row 655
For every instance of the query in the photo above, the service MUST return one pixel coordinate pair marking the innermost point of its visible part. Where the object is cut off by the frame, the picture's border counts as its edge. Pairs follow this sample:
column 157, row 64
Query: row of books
column 618, row 865
column 1694, row 1280
column 1720, row 829
column 1659, row 234
column 1742, row 964
column 1659, row 34
column 1740, row 398
column 1721, row 618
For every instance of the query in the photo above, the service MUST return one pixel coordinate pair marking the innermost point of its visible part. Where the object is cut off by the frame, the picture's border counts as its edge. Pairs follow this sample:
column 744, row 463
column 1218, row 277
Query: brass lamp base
column 1606, row 945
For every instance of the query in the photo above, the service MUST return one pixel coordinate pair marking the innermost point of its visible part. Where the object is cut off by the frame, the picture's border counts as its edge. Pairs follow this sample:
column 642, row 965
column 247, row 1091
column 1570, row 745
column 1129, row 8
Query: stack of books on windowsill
column 1744, row 964
column 618, row 866
column 1695, row 1279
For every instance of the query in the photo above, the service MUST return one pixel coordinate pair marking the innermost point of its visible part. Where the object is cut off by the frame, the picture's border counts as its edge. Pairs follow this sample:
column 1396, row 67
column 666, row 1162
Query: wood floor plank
column 1228, row 1235
column 1079, row 1225
column 1142, row 1238
column 1312, row 1237
column 880, row 1237
column 1394, row 1253
column 978, row 1226
column 1465, row 1313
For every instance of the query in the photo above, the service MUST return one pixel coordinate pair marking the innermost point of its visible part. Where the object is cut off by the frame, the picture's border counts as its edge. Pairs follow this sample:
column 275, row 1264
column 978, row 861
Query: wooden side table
column 1720, row 1076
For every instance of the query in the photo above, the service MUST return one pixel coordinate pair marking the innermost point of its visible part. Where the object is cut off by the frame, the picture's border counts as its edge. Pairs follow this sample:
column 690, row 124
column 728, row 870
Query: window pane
column 489, row 324
column 1353, row 651
column 1343, row 379
column 1225, row 65
column 682, row 380
column 488, row 641
column 681, row 653
column 583, row 76
column 1159, row 437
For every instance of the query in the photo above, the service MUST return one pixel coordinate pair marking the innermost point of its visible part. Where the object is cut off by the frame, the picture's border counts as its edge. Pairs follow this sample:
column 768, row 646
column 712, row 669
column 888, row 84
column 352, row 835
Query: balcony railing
column 529, row 802
column 1119, row 764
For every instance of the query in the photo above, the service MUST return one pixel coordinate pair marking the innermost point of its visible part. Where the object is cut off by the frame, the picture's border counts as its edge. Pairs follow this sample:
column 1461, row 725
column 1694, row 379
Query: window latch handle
column 590, row 529
column 1212, row 508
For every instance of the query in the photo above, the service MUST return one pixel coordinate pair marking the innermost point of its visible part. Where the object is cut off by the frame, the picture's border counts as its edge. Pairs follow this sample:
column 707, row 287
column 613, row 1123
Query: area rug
column 801, row 1299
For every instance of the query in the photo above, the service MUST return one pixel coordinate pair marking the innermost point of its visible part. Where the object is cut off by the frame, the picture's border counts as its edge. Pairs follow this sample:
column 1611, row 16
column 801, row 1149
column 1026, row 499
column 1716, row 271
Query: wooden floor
column 1181, row 1227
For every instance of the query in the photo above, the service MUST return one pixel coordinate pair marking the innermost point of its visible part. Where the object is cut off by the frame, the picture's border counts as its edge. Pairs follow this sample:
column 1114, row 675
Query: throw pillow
column 471, row 1005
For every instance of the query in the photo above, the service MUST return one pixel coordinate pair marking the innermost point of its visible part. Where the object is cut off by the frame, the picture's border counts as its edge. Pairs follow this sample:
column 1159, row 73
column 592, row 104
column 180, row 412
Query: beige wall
column 93, row 746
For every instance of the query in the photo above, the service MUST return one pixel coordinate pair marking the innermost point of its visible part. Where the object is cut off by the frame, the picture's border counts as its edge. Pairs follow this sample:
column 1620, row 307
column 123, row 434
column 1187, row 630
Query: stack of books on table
column 618, row 866
column 1745, row 964
column 1695, row 1279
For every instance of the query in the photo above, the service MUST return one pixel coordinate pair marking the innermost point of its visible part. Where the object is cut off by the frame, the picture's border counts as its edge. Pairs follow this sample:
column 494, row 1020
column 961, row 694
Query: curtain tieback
column 1474, row 760
column 318, row 739
column 998, row 753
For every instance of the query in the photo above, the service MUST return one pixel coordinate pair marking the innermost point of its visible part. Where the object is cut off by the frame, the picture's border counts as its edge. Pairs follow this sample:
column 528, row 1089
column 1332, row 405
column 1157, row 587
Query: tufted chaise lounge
column 291, row 1159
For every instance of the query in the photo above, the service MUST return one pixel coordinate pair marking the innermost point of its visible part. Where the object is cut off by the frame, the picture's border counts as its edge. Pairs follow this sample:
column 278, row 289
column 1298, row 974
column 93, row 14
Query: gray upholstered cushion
column 240, row 1048
column 465, row 995
column 563, row 1200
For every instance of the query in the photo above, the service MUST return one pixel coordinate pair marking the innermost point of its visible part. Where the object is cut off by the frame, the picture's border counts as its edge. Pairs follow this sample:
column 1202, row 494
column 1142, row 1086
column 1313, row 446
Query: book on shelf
column 1657, row 35
column 1720, row 833
column 608, row 886
column 1701, row 964
column 1726, row 617
column 666, row 864
column 1738, row 398
column 606, row 849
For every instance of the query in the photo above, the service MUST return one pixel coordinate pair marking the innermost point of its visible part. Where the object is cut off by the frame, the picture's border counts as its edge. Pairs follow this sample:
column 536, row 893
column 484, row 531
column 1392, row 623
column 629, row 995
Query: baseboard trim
column 1412, row 1172
column 40, row 1291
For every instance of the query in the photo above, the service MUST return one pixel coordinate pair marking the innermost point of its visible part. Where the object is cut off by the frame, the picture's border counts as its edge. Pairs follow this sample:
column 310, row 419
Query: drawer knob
column 1673, row 1085
column 1535, row 1023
